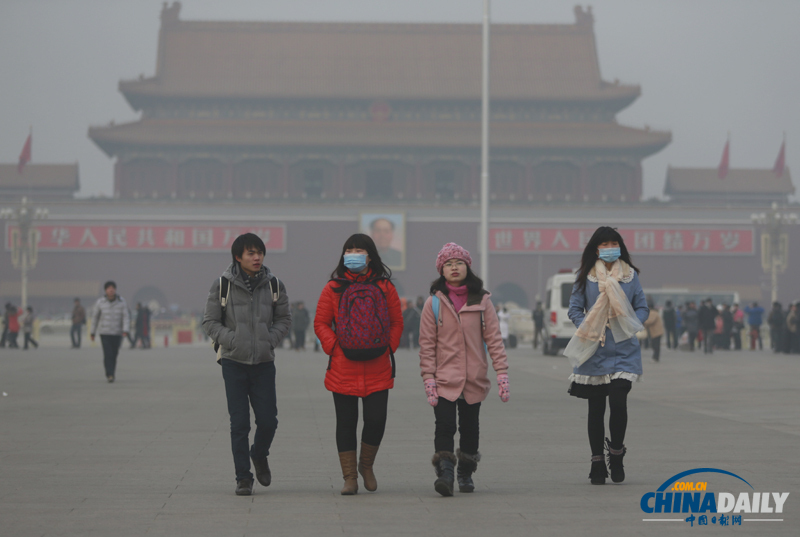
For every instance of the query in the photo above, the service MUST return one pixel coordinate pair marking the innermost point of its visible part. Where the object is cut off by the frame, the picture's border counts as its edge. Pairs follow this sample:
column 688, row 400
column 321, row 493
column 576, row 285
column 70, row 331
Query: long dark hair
column 473, row 283
column 589, row 257
column 362, row 242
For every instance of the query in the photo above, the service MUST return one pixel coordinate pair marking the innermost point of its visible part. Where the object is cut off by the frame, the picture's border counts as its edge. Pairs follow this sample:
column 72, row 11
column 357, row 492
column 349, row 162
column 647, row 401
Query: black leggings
column 375, row 405
column 468, row 425
column 617, row 421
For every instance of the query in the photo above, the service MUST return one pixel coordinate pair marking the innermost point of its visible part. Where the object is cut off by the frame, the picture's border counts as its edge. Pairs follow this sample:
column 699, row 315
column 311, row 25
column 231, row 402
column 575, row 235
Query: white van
column 557, row 324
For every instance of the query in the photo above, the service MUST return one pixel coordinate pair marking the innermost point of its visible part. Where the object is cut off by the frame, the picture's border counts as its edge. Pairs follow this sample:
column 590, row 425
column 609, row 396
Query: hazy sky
column 706, row 67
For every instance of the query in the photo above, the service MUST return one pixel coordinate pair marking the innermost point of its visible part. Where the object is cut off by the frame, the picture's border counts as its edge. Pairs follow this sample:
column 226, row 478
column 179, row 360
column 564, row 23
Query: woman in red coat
column 361, row 348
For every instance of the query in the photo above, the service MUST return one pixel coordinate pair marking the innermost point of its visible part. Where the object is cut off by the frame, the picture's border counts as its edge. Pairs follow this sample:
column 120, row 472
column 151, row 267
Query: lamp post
column 774, row 242
column 483, row 235
column 24, row 239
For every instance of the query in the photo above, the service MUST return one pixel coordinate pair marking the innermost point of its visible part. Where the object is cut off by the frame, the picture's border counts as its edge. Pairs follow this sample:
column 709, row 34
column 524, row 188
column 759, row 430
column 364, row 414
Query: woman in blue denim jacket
column 608, row 306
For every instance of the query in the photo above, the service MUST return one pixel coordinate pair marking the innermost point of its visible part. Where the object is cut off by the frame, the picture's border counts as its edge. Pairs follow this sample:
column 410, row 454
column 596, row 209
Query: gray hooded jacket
column 252, row 328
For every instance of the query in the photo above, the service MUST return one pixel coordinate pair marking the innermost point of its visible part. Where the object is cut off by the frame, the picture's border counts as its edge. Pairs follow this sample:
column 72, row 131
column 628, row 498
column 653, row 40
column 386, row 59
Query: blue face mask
column 609, row 255
column 355, row 262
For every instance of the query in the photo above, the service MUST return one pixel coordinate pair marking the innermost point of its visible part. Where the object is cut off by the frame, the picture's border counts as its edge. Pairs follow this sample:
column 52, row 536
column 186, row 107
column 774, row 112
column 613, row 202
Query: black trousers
column 111, row 345
column 655, row 343
column 29, row 339
column 672, row 338
column 375, row 407
column 75, row 335
column 299, row 339
column 708, row 341
column 617, row 420
column 468, row 425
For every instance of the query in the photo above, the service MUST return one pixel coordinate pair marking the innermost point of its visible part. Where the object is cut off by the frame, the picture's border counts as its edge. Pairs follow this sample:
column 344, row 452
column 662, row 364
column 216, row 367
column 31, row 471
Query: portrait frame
column 389, row 236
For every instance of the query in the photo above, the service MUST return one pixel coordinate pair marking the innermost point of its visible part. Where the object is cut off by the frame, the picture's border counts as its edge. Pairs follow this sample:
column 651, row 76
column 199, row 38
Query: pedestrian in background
column 690, row 322
column 411, row 319
column 669, row 319
column 503, row 318
column 300, row 322
column 111, row 319
column 792, row 332
column 777, row 326
column 78, row 320
column 253, row 323
column 538, row 325
column 738, row 326
column 755, row 316
column 608, row 306
column 359, row 324
column 454, row 338
column 655, row 329
column 727, row 327
column 12, row 321
column 27, row 319
column 4, row 339
column 706, row 319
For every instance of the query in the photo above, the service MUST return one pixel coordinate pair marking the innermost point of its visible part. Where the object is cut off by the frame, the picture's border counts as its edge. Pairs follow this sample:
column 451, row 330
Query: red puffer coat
column 349, row 377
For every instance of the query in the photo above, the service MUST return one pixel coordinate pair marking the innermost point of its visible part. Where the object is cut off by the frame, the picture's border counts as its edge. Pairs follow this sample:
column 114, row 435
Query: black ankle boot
column 444, row 462
column 599, row 473
column 467, row 464
column 615, row 462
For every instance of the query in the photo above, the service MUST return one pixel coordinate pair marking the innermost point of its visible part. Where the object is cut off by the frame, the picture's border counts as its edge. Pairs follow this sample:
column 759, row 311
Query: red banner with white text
column 690, row 241
column 160, row 238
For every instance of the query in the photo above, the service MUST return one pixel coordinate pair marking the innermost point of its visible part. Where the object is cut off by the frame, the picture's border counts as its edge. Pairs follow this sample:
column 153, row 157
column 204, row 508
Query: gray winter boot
column 444, row 462
column 467, row 464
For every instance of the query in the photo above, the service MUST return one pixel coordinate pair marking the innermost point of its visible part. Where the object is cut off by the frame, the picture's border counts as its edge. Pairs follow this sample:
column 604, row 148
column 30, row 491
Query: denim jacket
column 613, row 357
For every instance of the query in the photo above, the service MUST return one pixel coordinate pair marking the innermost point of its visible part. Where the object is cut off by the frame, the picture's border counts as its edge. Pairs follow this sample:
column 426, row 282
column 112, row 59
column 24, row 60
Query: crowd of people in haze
column 14, row 320
column 721, row 327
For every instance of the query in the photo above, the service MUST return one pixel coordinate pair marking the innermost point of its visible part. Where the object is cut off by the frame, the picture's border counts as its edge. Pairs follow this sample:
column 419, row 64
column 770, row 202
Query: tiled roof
column 372, row 134
column 39, row 176
column 738, row 181
column 375, row 61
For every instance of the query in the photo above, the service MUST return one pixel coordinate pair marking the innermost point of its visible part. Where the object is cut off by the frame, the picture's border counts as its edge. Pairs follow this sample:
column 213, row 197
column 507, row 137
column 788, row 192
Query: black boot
column 444, row 462
column 599, row 473
column 467, row 464
column 615, row 462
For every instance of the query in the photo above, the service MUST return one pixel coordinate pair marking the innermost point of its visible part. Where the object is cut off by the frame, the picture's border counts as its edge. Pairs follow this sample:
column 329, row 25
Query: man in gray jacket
column 254, row 322
column 112, row 320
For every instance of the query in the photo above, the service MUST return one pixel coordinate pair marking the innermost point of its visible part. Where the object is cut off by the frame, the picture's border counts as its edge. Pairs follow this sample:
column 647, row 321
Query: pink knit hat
column 450, row 251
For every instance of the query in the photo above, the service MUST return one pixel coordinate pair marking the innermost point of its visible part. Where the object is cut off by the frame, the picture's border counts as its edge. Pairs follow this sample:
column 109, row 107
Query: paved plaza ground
column 150, row 454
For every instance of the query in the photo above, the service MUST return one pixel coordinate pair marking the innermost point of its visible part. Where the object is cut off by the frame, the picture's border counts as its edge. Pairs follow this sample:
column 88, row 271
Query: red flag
column 25, row 156
column 722, row 171
column 780, row 162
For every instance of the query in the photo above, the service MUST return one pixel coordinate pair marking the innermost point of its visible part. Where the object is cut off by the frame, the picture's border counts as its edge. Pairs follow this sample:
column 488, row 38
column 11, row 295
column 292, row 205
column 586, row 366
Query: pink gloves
column 430, row 391
column 504, row 390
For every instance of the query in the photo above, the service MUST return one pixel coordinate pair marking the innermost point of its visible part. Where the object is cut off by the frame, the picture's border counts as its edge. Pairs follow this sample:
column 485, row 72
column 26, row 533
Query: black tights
column 617, row 421
column 375, row 405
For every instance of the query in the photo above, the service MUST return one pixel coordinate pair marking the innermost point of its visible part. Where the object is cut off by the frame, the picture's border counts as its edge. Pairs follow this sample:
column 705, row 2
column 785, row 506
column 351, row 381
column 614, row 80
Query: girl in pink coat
column 452, row 357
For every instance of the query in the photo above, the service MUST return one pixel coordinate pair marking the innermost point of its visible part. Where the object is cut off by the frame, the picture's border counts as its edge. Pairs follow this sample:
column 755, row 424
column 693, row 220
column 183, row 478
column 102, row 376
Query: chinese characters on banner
column 737, row 241
column 105, row 238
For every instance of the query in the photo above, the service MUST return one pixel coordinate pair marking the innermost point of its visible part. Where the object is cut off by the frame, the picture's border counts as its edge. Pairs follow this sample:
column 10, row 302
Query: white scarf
column 612, row 309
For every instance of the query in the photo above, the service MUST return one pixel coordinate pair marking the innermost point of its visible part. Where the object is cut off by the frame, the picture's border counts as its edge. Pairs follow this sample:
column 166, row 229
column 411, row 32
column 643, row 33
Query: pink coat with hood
column 454, row 354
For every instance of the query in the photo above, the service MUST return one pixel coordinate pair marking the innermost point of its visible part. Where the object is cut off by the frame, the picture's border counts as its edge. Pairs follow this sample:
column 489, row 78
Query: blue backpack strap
column 435, row 308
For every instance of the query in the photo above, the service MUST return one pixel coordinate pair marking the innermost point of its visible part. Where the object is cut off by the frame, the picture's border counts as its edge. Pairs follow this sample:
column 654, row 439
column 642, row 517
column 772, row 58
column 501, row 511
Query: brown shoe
column 365, row 462
column 348, row 460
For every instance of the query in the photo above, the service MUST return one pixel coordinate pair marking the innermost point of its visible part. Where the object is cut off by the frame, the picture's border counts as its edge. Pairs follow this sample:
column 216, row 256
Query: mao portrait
column 389, row 233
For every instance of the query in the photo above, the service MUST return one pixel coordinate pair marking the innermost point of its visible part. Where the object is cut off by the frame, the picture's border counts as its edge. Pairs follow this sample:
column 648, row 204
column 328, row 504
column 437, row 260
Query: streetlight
column 483, row 233
column 24, row 239
column 774, row 242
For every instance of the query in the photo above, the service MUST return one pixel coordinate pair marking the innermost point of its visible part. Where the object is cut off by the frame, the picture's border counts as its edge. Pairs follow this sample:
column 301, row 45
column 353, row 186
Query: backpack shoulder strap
column 224, row 289
column 435, row 307
column 274, row 289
